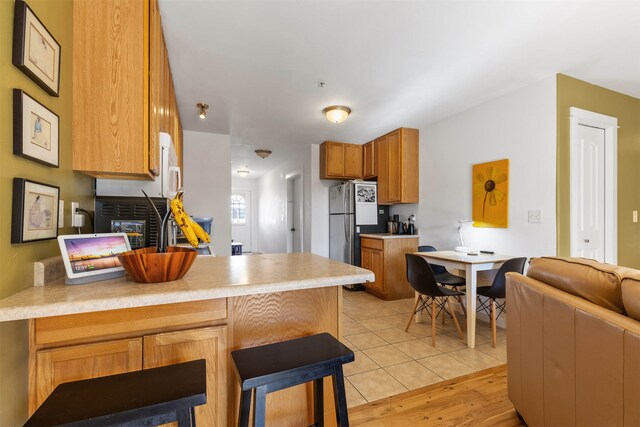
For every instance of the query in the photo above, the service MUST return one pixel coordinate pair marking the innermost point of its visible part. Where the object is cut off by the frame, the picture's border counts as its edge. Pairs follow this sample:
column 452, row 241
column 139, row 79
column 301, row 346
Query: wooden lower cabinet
column 79, row 362
column 184, row 346
column 386, row 259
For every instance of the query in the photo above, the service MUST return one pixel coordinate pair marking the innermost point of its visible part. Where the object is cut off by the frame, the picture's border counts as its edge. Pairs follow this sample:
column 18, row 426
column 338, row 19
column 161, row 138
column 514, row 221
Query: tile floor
column 390, row 361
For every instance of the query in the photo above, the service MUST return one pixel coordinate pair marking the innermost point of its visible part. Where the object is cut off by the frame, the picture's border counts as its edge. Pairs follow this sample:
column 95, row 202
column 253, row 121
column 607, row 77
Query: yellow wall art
column 491, row 194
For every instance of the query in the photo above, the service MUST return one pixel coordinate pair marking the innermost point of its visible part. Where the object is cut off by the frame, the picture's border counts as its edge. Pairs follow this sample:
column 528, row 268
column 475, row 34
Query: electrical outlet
column 61, row 214
column 635, row 216
column 74, row 209
column 535, row 216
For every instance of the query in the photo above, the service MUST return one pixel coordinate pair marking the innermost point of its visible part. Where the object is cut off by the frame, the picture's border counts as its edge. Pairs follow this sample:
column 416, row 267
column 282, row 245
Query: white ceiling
column 395, row 63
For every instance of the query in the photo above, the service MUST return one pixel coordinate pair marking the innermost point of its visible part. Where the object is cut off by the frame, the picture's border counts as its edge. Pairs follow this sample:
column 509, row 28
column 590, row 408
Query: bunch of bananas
column 191, row 229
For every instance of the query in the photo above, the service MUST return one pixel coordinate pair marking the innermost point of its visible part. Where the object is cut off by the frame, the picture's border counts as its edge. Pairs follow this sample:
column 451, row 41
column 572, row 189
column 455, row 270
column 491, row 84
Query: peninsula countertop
column 208, row 278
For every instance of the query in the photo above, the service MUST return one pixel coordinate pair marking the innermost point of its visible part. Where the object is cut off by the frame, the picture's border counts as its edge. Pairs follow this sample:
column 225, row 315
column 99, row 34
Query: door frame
column 579, row 117
column 297, row 174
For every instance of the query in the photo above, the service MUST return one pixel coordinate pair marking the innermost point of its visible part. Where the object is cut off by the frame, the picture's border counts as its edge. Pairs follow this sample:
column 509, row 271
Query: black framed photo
column 34, row 211
column 36, row 130
column 35, row 51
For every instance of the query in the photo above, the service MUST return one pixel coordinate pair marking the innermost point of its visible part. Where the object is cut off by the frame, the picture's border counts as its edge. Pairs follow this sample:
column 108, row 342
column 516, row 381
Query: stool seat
column 273, row 367
column 157, row 396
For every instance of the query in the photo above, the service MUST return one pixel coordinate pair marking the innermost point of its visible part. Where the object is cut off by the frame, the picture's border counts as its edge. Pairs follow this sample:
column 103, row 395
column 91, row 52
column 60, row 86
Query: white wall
column 521, row 127
column 320, row 206
column 207, row 183
column 272, row 226
column 250, row 185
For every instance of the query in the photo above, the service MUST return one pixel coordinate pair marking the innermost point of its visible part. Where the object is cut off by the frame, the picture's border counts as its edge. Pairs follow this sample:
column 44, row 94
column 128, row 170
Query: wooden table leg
column 418, row 316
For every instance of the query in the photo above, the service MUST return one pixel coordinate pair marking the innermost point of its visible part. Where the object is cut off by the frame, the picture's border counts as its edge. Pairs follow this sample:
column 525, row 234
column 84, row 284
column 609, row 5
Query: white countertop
column 390, row 236
column 208, row 278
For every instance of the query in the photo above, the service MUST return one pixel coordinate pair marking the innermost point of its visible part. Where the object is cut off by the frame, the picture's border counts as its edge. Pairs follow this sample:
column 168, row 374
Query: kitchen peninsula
column 222, row 304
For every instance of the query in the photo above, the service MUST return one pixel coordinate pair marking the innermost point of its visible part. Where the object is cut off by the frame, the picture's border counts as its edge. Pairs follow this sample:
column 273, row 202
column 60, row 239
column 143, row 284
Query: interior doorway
column 593, row 185
column 295, row 214
column 241, row 219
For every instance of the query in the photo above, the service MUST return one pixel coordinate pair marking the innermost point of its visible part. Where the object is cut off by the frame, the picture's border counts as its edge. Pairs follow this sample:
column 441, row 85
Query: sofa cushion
column 586, row 278
column 630, row 287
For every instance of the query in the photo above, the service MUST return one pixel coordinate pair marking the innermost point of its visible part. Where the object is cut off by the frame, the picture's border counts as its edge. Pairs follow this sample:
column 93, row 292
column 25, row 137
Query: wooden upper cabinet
column 339, row 160
column 120, row 77
column 398, row 167
column 369, row 161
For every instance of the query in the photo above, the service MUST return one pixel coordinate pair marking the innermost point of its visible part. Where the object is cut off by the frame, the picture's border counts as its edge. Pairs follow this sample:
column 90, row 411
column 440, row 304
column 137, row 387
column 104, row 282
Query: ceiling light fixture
column 263, row 153
column 336, row 113
column 203, row 110
column 243, row 172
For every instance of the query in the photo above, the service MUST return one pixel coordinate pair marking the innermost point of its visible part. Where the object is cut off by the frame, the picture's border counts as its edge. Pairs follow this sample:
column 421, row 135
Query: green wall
column 16, row 260
column 576, row 93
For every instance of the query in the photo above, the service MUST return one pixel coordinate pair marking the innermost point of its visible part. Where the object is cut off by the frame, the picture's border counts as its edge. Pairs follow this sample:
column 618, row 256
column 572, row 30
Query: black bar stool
column 273, row 367
column 149, row 397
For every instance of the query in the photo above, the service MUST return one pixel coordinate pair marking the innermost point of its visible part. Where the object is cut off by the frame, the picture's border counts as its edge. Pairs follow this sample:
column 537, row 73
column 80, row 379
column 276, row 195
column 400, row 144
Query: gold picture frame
column 490, row 198
column 35, row 51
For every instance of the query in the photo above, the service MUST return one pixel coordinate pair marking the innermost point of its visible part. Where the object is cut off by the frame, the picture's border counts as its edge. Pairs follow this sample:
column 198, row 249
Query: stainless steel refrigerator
column 353, row 210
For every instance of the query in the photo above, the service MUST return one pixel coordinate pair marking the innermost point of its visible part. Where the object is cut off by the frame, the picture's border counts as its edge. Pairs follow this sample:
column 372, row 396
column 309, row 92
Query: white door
column 593, row 186
column 589, row 149
column 241, row 218
column 295, row 218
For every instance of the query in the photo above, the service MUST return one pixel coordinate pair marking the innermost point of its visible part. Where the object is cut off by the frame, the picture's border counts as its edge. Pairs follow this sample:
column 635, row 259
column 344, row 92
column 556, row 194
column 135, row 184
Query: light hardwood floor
column 478, row 399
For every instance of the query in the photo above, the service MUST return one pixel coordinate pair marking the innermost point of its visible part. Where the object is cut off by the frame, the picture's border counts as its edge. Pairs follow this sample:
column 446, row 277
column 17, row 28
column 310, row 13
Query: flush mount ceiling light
column 203, row 110
column 336, row 113
column 263, row 153
column 243, row 172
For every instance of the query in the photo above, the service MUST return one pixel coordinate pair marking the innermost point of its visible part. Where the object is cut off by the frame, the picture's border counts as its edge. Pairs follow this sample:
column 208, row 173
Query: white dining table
column 471, row 264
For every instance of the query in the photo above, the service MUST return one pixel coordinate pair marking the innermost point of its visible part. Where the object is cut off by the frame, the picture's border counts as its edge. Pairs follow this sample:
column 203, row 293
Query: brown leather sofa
column 573, row 343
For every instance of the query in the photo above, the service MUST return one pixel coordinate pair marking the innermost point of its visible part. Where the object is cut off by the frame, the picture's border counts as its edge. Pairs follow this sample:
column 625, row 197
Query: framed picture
column 36, row 130
column 490, row 198
column 35, row 211
column 35, row 51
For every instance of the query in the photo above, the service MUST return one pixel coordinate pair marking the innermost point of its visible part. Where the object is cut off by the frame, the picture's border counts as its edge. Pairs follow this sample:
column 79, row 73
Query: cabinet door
column 395, row 167
column 377, row 266
column 335, row 159
column 352, row 161
column 80, row 362
column 155, row 59
column 382, row 154
column 369, row 160
column 184, row 346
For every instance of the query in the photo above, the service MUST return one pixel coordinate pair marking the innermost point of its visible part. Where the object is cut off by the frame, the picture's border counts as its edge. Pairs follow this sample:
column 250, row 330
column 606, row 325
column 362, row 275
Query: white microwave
column 166, row 184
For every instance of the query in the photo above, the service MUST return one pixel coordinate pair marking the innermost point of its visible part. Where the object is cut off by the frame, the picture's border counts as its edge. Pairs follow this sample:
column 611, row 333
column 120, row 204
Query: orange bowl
column 147, row 266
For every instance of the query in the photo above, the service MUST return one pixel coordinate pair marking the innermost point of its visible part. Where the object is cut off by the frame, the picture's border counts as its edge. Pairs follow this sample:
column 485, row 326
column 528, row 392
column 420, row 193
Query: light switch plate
column 635, row 216
column 535, row 216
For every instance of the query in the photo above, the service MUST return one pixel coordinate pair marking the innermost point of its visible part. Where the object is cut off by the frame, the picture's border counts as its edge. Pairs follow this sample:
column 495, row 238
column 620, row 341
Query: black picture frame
column 30, row 219
column 28, row 146
column 21, row 57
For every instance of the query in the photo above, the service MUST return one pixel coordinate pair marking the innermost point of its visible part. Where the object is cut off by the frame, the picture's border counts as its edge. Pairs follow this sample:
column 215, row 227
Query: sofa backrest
column 594, row 281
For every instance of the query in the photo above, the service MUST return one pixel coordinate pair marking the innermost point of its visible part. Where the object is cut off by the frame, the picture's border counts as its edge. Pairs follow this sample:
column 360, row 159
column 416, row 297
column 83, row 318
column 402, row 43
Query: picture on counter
column 34, row 211
column 35, row 51
column 490, row 199
column 36, row 130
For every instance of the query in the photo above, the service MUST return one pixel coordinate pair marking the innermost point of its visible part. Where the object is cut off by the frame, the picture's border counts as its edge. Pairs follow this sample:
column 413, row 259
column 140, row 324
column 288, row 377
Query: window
column 238, row 209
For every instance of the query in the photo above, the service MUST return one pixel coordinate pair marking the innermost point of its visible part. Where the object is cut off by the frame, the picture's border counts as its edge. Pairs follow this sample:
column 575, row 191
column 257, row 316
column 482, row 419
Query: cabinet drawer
column 372, row 243
column 92, row 326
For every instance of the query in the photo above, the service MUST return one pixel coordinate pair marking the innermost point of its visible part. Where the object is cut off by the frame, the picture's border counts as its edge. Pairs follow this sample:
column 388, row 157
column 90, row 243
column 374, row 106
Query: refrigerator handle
column 345, row 202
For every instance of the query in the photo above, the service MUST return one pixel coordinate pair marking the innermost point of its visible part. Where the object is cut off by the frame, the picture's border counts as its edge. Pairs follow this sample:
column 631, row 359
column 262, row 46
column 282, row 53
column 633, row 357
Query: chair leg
column 433, row 321
column 342, row 415
column 245, row 408
column 455, row 318
column 260, row 407
column 413, row 312
column 493, row 322
column 318, row 399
